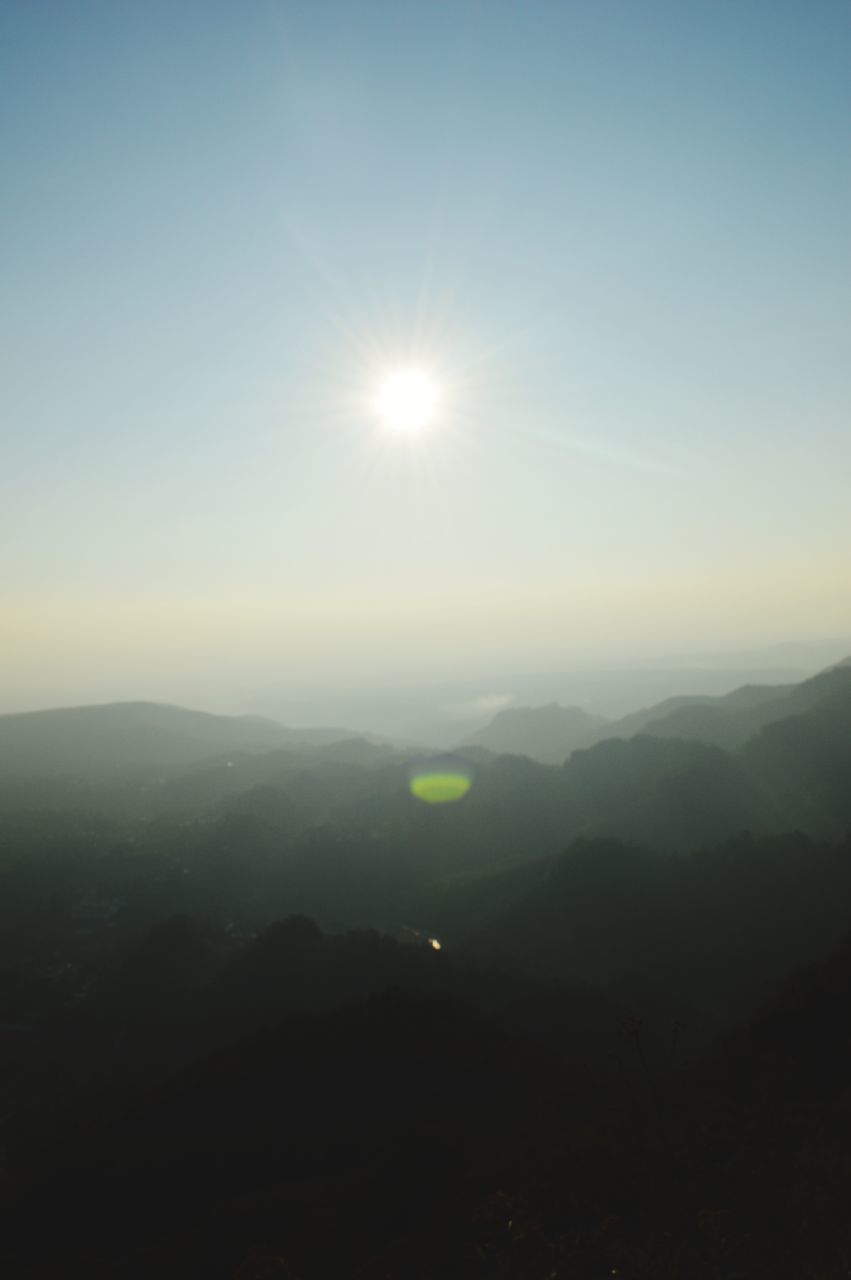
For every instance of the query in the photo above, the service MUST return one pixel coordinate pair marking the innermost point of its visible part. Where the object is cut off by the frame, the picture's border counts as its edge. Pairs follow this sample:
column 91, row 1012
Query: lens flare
column 441, row 781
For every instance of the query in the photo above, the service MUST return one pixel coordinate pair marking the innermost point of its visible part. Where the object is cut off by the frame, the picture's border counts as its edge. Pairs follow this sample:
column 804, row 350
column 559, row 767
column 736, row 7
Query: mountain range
column 279, row 991
column 550, row 733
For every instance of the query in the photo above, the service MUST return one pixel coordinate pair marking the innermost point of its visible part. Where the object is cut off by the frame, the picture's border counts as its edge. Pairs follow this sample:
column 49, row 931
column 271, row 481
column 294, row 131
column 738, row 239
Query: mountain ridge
column 112, row 737
column 550, row 733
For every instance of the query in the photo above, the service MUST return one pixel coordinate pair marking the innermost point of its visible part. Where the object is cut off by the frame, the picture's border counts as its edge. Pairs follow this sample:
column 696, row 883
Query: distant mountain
column 729, row 721
column 131, row 736
column 548, row 734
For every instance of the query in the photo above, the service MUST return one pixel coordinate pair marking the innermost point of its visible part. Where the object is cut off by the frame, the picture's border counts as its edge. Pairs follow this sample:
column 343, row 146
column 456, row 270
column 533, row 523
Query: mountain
column 729, row 721
column 232, row 1075
column 669, row 794
column 133, row 736
column 548, row 734
column 711, row 932
column 804, row 759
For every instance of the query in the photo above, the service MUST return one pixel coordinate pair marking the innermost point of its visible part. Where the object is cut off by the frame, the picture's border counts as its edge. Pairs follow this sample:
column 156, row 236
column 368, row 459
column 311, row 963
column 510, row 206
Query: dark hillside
column 804, row 761
column 703, row 938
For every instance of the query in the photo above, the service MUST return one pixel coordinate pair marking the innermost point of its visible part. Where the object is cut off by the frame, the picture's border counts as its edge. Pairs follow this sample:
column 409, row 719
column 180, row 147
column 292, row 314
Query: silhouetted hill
column 729, row 721
column 704, row 937
column 666, row 793
column 804, row 759
column 122, row 736
column 546, row 733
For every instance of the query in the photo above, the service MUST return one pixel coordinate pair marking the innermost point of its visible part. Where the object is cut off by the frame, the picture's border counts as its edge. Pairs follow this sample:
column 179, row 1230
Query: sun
column 407, row 399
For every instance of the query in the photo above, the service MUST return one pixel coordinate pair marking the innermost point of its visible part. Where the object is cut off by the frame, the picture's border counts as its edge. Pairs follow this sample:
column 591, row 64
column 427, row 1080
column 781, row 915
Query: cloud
column 487, row 704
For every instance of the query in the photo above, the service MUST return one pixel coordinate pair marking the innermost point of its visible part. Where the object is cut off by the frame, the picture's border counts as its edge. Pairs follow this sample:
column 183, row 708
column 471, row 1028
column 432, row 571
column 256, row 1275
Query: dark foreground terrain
column 264, row 1015
column 453, row 1122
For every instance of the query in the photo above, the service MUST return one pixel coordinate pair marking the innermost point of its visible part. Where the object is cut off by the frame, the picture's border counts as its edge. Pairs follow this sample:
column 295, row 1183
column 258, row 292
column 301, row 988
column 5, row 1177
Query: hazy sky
column 617, row 233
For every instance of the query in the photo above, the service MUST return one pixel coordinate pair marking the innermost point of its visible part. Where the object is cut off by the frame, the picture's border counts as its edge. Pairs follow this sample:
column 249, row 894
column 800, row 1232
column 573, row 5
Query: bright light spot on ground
column 407, row 399
column 435, row 944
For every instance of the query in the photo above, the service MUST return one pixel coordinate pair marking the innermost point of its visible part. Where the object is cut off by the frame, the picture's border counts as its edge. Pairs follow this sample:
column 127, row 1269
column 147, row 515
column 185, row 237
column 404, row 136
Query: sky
column 617, row 236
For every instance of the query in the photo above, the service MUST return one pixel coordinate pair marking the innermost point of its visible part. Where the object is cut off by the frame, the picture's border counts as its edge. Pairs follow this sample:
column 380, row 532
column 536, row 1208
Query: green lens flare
column 440, row 788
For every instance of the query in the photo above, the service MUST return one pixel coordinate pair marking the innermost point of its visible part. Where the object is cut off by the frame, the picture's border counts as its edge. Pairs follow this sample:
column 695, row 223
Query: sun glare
column 407, row 400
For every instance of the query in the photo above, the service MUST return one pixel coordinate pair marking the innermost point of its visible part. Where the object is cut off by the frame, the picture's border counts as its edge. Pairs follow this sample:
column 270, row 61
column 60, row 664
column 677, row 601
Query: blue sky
column 617, row 233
